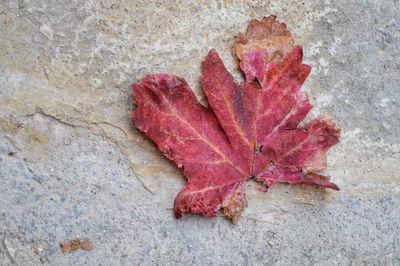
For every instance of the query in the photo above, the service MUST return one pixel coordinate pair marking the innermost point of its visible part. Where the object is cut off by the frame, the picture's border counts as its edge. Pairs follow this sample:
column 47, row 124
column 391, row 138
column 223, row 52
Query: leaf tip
column 234, row 206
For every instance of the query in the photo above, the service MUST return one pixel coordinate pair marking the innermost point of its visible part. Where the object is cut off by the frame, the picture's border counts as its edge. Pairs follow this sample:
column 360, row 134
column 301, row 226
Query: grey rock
column 80, row 169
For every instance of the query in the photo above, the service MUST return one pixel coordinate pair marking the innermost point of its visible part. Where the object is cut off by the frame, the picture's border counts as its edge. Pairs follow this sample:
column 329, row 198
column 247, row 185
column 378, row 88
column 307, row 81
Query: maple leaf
column 249, row 131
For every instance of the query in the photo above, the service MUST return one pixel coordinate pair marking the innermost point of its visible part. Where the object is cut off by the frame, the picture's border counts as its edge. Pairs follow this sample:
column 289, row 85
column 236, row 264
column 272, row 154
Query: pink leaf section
column 249, row 131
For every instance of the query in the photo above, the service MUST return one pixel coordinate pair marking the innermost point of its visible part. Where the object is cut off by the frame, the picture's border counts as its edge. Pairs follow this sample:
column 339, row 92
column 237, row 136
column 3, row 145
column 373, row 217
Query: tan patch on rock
column 75, row 244
column 87, row 245
column 70, row 246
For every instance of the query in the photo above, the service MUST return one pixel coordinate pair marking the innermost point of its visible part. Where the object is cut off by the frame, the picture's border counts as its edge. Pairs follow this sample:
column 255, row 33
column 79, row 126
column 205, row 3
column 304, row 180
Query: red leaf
column 249, row 131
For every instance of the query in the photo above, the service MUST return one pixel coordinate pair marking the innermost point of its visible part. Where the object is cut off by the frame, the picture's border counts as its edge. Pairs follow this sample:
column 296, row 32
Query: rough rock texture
column 71, row 164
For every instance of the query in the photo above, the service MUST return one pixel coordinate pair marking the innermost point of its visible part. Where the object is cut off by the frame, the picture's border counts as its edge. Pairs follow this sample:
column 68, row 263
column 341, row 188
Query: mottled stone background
column 81, row 170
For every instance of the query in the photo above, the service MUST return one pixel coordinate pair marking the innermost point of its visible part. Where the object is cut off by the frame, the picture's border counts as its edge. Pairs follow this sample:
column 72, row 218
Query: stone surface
column 71, row 164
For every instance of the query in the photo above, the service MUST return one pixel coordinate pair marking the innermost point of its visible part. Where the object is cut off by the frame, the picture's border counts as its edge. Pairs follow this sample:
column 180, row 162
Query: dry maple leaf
column 249, row 131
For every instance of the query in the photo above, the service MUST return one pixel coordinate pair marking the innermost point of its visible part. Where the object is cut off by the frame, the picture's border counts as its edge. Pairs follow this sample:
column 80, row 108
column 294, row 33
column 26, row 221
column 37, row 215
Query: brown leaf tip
column 234, row 207
column 265, row 28
column 268, row 35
